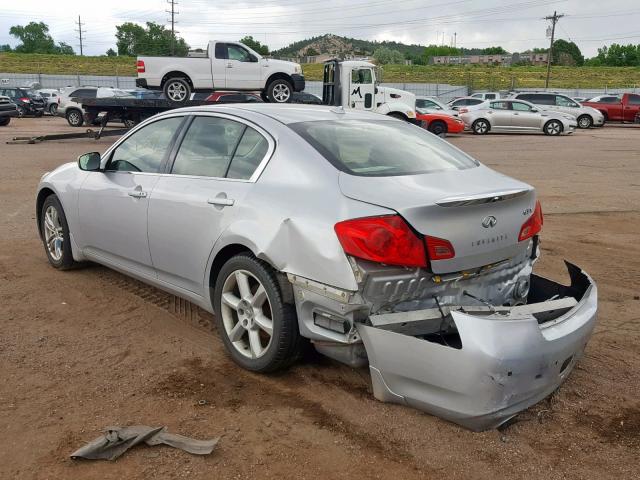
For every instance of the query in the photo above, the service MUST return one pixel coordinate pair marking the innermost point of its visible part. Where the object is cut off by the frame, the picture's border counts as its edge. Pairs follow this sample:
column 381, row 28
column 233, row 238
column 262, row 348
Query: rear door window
column 250, row 152
column 500, row 105
column 84, row 93
column 520, row 107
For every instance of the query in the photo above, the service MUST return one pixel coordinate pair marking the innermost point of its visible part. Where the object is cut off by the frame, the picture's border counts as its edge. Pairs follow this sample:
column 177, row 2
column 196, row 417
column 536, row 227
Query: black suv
column 29, row 102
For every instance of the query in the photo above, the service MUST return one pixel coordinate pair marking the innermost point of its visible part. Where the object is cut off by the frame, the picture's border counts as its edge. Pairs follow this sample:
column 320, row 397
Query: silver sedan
column 515, row 116
column 370, row 238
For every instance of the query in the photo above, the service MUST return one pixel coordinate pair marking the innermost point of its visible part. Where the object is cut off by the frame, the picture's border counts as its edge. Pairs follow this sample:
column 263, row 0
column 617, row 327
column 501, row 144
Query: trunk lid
column 478, row 210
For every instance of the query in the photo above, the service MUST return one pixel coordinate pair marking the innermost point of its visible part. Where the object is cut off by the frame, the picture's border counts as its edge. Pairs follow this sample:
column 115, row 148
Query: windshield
column 376, row 148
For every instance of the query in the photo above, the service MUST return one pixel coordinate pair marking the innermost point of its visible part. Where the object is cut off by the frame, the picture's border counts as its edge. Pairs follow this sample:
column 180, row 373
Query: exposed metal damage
column 474, row 347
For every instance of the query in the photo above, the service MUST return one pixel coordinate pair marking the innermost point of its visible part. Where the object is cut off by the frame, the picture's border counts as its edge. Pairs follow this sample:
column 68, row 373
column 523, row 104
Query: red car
column 616, row 108
column 440, row 123
column 233, row 97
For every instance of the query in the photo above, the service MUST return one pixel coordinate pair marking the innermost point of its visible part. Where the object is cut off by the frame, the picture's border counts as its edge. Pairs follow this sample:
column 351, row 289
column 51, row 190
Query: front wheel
column 279, row 91
column 177, row 90
column 553, row 128
column 438, row 128
column 585, row 121
column 5, row 121
column 74, row 118
column 480, row 127
column 53, row 108
column 258, row 329
column 55, row 234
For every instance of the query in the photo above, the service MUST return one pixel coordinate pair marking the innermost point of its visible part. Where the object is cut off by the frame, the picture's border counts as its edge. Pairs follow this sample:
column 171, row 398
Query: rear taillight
column 387, row 239
column 140, row 66
column 533, row 224
column 439, row 248
column 25, row 99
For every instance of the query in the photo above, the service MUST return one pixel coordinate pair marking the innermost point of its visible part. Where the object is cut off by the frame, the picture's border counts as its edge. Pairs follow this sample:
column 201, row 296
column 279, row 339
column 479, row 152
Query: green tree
column 386, row 56
column 111, row 53
column 5, row 48
column 35, row 38
column 311, row 52
column 439, row 51
column 494, row 51
column 133, row 39
column 255, row 45
column 616, row 55
column 566, row 53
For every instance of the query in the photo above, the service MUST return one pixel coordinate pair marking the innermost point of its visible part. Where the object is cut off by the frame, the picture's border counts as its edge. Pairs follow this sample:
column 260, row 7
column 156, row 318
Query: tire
column 130, row 122
column 553, row 128
column 437, row 128
column 585, row 121
column 21, row 112
column 5, row 121
column 279, row 91
column 481, row 127
column 74, row 117
column 55, row 234
column 53, row 109
column 236, row 318
column 177, row 90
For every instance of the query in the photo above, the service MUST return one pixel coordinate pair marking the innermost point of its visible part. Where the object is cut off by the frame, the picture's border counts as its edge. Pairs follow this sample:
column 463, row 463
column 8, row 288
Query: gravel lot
column 90, row 348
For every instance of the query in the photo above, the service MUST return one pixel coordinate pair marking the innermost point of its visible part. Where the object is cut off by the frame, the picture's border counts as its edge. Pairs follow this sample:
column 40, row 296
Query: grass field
column 476, row 77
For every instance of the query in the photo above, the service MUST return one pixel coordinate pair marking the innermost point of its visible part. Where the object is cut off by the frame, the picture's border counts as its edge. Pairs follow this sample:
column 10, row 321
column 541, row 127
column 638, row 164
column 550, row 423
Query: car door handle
column 222, row 201
column 138, row 194
column 229, row 65
column 516, row 113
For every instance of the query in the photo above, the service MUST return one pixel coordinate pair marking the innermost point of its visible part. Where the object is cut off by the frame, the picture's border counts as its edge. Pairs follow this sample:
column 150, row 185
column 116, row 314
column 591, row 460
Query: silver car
column 373, row 239
column 432, row 105
column 515, row 116
column 586, row 117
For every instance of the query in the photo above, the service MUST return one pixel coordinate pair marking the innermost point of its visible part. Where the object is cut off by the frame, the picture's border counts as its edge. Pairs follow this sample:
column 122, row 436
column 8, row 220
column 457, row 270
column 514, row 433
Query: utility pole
column 455, row 39
column 173, row 13
column 80, row 33
column 554, row 19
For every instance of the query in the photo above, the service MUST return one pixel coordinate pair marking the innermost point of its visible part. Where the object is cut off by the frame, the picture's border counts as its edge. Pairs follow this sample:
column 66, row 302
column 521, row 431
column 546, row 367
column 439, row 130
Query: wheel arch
column 276, row 76
column 41, row 197
column 175, row 74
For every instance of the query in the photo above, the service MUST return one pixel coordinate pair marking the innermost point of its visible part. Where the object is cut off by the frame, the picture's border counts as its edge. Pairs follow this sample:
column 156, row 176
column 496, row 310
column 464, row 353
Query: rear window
column 381, row 148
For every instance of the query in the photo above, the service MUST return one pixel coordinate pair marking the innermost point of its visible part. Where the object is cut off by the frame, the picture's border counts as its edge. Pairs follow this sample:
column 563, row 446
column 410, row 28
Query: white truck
column 353, row 84
column 226, row 66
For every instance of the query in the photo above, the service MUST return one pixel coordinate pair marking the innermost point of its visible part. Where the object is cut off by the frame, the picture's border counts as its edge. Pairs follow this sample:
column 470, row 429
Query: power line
column 173, row 13
column 79, row 30
column 554, row 19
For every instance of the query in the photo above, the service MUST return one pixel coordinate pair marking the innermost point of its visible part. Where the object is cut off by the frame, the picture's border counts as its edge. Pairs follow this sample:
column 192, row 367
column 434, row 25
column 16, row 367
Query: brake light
column 140, row 66
column 533, row 224
column 439, row 248
column 386, row 239
column 25, row 99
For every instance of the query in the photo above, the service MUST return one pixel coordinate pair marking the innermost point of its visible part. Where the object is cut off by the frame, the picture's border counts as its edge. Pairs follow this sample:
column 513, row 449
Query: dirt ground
column 90, row 348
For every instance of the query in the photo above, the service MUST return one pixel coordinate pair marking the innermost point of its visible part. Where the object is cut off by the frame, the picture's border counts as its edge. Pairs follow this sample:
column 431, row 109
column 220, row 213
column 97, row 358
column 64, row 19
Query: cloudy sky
column 514, row 24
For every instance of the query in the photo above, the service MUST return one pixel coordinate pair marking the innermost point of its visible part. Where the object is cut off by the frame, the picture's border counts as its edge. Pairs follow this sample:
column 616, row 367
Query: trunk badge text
column 489, row 221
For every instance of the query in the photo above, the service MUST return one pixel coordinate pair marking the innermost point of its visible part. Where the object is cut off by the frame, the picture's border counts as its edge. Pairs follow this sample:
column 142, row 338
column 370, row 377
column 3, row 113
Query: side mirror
column 89, row 162
column 535, row 110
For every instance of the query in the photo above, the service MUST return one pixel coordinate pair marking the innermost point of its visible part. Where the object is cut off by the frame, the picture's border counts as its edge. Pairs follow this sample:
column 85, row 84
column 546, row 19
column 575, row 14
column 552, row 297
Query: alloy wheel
column 246, row 314
column 53, row 233
column 481, row 127
column 177, row 92
column 584, row 122
column 553, row 128
column 281, row 93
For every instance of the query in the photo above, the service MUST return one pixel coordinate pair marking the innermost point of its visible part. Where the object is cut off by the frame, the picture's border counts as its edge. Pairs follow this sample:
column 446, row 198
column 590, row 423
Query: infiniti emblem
column 489, row 221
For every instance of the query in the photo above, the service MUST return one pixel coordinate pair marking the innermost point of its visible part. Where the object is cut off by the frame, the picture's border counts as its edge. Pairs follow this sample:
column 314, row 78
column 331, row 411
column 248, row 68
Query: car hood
column 282, row 65
column 452, row 205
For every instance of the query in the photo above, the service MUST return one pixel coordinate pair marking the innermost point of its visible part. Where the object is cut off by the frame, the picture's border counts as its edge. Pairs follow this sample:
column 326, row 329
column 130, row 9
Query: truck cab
column 353, row 84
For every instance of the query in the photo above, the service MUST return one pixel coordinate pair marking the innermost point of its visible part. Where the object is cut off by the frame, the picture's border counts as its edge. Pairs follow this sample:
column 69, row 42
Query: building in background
column 506, row 60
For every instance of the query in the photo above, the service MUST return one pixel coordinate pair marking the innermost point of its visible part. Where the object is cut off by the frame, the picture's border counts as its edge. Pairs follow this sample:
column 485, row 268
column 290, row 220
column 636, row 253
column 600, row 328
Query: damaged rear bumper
column 505, row 360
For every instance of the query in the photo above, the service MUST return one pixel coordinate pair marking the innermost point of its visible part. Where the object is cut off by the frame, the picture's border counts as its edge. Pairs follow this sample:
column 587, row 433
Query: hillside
column 477, row 77
column 337, row 45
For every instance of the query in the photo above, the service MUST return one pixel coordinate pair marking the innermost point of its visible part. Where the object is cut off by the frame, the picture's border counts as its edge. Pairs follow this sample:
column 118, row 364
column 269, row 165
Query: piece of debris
column 117, row 440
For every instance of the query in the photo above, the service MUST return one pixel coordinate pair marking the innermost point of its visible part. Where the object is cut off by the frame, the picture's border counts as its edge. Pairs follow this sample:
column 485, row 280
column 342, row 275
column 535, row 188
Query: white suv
column 70, row 109
column 585, row 116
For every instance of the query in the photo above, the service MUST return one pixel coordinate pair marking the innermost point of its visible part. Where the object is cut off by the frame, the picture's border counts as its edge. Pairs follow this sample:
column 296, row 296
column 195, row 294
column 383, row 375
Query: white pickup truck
column 226, row 66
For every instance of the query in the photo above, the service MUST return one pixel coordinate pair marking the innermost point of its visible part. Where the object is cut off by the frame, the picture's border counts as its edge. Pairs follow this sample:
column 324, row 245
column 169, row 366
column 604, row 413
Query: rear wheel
column 258, row 329
column 53, row 108
column 74, row 118
column 177, row 90
column 480, row 127
column 553, row 128
column 585, row 121
column 438, row 127
column 55, row 234
column 279, row 91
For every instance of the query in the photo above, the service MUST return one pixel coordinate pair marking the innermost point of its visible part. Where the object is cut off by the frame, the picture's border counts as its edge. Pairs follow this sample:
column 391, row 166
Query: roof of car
column 288, row 113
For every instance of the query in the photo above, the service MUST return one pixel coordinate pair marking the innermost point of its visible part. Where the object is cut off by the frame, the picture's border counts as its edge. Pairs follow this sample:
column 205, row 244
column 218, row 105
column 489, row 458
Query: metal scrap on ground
column 117, row 440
